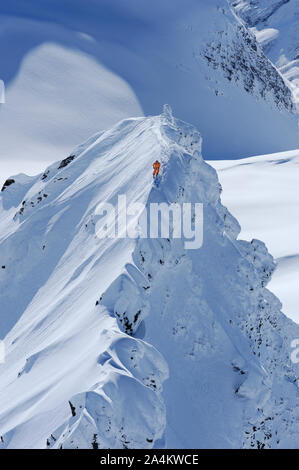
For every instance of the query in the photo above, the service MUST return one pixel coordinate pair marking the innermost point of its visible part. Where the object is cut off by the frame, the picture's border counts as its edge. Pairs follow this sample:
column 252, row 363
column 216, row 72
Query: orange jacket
column 156, row 165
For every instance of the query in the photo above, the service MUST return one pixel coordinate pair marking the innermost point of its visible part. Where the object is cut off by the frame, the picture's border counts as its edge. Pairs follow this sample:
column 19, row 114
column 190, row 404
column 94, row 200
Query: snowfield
column 262, row 192
column 138, row 343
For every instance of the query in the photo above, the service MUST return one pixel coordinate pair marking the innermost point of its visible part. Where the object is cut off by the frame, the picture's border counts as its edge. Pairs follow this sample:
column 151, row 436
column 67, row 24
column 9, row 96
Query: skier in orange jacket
column 156, row 166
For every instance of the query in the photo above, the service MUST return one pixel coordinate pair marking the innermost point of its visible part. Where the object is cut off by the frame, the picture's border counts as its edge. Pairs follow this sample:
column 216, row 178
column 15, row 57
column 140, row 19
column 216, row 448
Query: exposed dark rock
column 95, row 444
column 7, row 183
column 136, row 316
column 45, row 175
column 66, row 161
column 73, row 409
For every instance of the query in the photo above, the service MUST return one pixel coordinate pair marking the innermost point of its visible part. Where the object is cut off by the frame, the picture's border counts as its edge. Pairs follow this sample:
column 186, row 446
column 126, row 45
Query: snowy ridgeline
column 125, row 343
column 88, row 71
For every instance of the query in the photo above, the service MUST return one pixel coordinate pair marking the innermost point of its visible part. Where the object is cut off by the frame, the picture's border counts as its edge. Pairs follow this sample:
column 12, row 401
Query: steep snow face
column 275, row 24
column 86, row 66
column 101, row 323
column 53, row 270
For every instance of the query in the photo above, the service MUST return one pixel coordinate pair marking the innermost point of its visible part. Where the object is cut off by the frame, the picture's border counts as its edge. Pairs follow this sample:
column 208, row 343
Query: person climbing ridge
column 156, row 166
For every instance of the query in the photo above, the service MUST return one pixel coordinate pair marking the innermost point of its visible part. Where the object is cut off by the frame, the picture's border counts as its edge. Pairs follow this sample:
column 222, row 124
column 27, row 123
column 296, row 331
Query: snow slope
column 55, row 268
column 72, row 68
column 95, row 326
column 262, row 192
column 275, row 24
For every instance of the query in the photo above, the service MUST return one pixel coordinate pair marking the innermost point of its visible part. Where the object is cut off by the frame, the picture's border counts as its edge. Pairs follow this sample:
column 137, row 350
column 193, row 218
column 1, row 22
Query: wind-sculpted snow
column 100, row 324
column 123, row 411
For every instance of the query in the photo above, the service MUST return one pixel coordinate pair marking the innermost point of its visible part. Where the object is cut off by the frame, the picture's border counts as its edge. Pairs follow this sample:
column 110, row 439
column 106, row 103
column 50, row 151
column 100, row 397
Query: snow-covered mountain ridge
column 88, row 64
column 206, row 362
